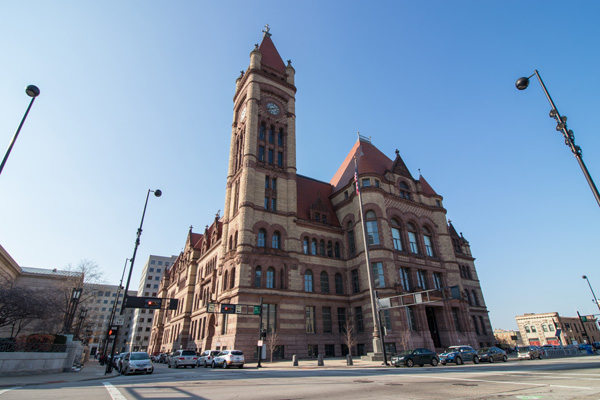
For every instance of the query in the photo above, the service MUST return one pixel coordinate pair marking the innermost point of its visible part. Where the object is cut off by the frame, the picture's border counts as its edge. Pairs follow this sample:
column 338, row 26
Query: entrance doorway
column 433, row 326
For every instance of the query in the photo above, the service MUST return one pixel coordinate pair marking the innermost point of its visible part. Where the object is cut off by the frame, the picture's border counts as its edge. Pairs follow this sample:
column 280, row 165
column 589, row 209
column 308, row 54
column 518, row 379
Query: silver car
column 206, row 358
column 229, row 358
column 136, row 362
column 182, row 358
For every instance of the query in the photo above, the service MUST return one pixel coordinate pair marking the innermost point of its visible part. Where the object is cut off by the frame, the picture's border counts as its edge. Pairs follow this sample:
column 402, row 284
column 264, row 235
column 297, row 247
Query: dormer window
column 366, row 182
column 404, row 191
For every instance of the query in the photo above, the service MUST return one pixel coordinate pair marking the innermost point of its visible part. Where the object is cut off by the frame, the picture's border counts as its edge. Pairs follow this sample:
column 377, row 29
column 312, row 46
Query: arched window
column 351, row 241
column 339, row 284
column 271, row 278
column 305, row 245
column 313, row 247
column 468, row 297
column 337, row 250
column 272, row 135
column 235, row 240
column 396, row 235
column 475, row 298
column 324, row 282
column 275, row 240
column 263, row 130
column 280, row 137
column 412, row 238
column 428, row 242
column 262, row 238
column 372, row 231
column 404, row 191
column 232, row 282
column 322, row 247
column 225, row 281
column 258, row 276
column 308, row 281
column 329, row 249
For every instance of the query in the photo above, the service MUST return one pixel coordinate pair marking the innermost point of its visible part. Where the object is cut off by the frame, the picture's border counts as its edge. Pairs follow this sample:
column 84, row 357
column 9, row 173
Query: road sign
column 256, row 310
column 118, row 320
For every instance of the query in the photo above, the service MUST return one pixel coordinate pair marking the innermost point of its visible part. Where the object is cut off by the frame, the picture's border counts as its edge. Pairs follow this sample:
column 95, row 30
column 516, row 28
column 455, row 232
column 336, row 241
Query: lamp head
column 583, row 277
column 32, row 91
column 157, row 192
column 522, row 83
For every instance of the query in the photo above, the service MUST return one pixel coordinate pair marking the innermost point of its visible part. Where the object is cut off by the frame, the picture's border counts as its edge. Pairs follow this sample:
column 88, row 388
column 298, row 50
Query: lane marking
column 113, row 391
column 504, row 382
column 9, row 389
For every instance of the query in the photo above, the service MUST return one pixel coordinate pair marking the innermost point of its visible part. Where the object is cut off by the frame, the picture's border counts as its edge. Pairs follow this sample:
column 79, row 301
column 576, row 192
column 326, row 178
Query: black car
column 415, row 356
column 491, row 354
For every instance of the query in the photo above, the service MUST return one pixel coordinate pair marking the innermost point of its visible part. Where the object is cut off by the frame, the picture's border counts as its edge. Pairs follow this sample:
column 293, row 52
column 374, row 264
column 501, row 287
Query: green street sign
column 256, row 310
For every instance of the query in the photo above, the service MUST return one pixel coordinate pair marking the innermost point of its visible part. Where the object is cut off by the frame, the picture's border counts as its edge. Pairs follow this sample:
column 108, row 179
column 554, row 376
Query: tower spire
column 266, row 31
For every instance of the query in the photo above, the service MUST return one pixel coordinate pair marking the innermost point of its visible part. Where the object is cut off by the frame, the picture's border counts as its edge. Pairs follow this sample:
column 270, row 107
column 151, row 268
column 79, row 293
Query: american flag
column 356, row 178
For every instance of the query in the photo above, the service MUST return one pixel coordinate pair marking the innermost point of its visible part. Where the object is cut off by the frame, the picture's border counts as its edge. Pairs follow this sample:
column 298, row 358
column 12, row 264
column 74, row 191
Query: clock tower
column 261, row 180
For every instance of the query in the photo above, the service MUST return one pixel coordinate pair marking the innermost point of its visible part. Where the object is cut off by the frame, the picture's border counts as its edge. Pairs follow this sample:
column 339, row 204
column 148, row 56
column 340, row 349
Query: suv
column 229, row 358
column 458, row 355
column 182, row 358
column 138, row 361
column 529, row 352
column 206, row 358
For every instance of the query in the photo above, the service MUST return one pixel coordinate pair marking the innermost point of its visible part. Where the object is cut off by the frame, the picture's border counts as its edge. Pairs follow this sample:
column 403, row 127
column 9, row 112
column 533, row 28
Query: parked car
column 137, row 361
column 206, row 358
column 162, row 358
column 458, row 355
column 229, row 358
column 528, row 352
column 182, row 358
column 415, row 356
column 118, row 361
column 491, row 354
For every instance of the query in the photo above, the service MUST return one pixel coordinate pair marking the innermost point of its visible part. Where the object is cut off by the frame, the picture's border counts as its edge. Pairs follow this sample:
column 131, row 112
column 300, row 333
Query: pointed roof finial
column 289, row 63
column 420, row 175
column 397, row 152
column 266, row 31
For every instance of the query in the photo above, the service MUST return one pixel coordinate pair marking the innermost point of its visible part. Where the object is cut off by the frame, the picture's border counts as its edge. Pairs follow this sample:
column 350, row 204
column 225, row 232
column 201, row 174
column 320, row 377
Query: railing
column 32, row 347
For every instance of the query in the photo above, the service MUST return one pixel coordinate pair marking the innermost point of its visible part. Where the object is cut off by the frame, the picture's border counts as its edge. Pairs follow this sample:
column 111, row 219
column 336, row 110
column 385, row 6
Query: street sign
column 260, row 343
column 211, row 308
column 118, row 320
column 256, row 310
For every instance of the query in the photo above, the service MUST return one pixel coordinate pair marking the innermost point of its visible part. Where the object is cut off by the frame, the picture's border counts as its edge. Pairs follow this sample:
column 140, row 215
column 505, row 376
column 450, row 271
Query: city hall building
column 296, row 245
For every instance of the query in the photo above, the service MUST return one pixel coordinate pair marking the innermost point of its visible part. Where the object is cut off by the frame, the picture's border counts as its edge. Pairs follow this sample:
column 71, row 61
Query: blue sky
column 138, row 95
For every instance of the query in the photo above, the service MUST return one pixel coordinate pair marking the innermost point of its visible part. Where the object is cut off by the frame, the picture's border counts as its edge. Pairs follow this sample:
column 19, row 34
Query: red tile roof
column 270, row 55
column 426, row 188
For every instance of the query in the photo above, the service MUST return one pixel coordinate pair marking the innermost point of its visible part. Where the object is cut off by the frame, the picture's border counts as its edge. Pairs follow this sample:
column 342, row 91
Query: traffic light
column 584, row 318
column 111, row 332
column 152, row 303
column 227, row 309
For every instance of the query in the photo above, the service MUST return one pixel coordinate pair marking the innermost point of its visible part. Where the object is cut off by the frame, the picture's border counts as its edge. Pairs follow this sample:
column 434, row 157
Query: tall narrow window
column 387, row 321
column 410, row 318
column 456, row 319
column 437, row 280
column 475, row 324
column 280, row 138
column 274, row 205
column 322, row 247
column 275, row 240
column 262, row 131
column 337, row 250
column 271, row 278
column 262, row 238
column 404, row 191
column 310, row 319
column 267, row 180
column 351, row 243
column 428, row 242
column 372, row 231
column 339, row 284
column 280, row 158
column 341, row 314
column 274, row 184
column 412, row 239
column 305, row 245
column 329, row 249
column 482, row 322
column 360, row 324
column 266, row 203
column 355, row 281
column 405, row 279
column 271, row 135
column 313, row 247
column 422, row 279
column 270, row 156
column 308, row 281
column 326, row 319
column 324, row 282
column 396, row 235
column 257, row 277
column 261, row 153
column 378, row 276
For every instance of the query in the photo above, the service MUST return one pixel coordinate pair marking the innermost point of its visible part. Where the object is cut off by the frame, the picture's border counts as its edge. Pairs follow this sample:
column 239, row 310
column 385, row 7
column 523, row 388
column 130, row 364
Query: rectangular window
column 410, row 318
column 366, row 182
column 351, row 243
column 437, row 280
column 267, row 180
column 355, row 281
column 483, row 330
column 266, row 203
column 274, row 184
column 387, row 321
column 360, row 324
column 422, row 279
column 475, row 324
column 378, row 276
column 261, row 153
column 405, row 279
column 456, row 320
column 269, row 320
column 280, row 138
column 330, row 350
column 397, row 241
column 151, row 269
column 341, row 314
column 274, row 205
column 326, row 319
column 270, row 156
column 310, row 319
column 545, row 328
column 280, row 159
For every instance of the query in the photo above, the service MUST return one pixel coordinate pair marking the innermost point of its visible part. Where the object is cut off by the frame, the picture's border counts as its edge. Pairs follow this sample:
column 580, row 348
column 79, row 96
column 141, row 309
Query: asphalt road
column 570, row 378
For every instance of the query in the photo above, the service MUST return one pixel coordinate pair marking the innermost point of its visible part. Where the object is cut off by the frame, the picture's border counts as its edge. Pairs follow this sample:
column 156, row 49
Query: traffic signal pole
column 259, row 348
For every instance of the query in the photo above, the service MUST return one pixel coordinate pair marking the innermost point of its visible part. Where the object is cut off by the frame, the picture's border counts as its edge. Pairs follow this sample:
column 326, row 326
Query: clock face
column 272, row 108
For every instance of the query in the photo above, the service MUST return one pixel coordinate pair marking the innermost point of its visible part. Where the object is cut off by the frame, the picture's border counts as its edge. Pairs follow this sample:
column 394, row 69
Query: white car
column 229, row 358
column 138, row 361
column 206, row 358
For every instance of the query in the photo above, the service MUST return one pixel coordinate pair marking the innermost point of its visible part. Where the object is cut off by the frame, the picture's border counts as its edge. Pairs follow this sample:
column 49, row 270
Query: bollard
column 295, row 360
column 320, row 360
column 349, row 359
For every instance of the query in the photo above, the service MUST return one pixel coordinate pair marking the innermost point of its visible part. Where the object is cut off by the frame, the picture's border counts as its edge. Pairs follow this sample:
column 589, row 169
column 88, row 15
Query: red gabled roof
column 270, row 55
column 426, row 188
column 309, row 191
column 370, row 161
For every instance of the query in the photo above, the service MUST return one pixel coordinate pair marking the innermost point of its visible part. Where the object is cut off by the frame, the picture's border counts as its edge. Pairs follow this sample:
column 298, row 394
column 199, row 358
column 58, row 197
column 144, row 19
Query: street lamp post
column 157, row 193
column 592, row 290
column 71, row 308
column 561, row 126
column 33, row 92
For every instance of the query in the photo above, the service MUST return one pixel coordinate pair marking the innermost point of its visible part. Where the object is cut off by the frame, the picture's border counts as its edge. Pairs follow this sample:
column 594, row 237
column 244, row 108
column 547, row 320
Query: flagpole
column 377, row 348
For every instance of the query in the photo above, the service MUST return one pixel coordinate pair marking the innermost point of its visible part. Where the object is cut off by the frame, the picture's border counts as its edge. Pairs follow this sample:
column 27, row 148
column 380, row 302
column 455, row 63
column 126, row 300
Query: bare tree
column 348, row 334
column 273, row 343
